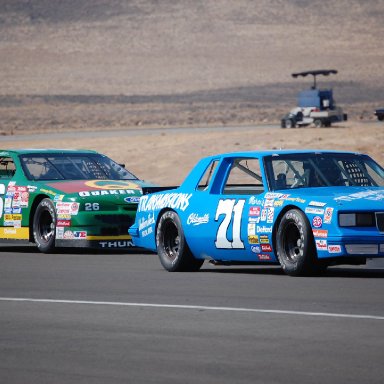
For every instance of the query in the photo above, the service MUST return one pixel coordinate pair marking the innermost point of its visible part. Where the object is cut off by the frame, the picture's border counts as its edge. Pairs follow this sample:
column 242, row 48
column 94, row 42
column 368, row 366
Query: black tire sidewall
column 306, row 263
column 184, row 260
column 166, row 218
column 46, row 205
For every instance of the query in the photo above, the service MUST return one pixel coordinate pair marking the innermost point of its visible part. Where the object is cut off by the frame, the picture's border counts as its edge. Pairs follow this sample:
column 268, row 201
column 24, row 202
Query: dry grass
column 166, row 158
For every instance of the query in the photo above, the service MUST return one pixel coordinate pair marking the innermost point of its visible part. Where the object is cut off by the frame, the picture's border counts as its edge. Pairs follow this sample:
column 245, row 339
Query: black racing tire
column 44, row 226
column 295, row 245
column 172, row 248
column 289, row 123
column 380, row 118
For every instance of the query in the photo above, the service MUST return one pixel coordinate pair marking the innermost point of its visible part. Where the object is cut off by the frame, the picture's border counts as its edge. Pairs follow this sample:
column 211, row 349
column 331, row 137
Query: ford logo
column 132, row 199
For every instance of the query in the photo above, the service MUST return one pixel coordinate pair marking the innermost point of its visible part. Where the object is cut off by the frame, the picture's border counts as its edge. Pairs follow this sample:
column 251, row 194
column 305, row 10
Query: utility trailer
column 315, row 106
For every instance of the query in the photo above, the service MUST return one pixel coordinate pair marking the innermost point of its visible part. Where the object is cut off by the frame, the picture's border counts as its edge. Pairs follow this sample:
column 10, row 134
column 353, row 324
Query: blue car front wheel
column 172, row 248
column 295, row 244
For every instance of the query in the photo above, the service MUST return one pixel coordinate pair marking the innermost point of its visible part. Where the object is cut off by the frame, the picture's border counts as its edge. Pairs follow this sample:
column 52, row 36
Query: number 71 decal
column 233, row 212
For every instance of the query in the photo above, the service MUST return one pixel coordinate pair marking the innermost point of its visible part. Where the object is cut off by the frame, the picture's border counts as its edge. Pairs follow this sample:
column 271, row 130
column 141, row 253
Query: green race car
column 66, row 198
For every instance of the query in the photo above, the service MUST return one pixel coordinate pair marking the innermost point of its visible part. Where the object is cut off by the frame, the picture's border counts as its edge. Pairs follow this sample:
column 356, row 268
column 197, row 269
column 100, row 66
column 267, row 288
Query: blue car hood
column 345, row 197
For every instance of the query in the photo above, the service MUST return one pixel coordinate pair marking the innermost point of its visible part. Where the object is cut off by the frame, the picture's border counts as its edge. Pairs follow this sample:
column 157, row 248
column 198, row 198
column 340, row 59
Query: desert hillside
column 99, row 64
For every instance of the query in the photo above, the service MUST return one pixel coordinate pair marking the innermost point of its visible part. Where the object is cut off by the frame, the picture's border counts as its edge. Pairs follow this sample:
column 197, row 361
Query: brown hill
column 111, row 63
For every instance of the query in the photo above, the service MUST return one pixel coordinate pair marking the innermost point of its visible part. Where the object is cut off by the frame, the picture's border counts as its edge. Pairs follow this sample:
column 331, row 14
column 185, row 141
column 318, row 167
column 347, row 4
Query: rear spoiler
column 147, row 190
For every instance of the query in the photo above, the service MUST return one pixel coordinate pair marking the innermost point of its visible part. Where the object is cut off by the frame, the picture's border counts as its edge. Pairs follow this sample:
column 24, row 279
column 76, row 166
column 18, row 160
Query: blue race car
column 304, row 210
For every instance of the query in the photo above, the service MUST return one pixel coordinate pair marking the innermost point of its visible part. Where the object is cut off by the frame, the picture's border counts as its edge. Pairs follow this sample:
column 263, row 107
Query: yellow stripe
column 121, row 237
column 14, row 233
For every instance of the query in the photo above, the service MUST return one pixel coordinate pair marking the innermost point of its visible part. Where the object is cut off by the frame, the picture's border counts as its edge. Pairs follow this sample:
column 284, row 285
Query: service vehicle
column 314, row 106
column 379, row 113
column 66, row 198
column 305, row 210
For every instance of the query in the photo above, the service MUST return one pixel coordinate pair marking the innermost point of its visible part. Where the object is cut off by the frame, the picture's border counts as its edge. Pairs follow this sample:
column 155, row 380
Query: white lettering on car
column 229, row 208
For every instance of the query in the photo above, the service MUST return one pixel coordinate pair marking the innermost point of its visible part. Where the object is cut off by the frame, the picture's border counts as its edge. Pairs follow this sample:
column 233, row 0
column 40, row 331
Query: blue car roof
column 281, row 152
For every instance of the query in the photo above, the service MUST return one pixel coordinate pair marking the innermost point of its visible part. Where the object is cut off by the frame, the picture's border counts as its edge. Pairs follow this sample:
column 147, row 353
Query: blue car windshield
column 322, row 170
column 82, row 166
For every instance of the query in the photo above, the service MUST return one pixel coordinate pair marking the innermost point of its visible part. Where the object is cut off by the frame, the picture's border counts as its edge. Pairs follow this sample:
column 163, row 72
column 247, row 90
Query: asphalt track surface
column 83, row 317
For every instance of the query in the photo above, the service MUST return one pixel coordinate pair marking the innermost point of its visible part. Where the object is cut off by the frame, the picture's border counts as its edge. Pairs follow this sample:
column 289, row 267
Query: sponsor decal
column 59, row 233
column 24, row 200
column 132, row 199
column 320, row 233
column 264, row 239
column 146, row 232
column 251, row 229
column 334, row 248
column 68, row 235
column 63, row 223
column 111, row 184
column 254, row 211
column 8, row 202
column 317, row 222
column 48, row 191
column 195, row 219
column 20, row 188
column 278, row 203
column 255, row 201
column 80, row 234
column 12, row 220
column 264, row 257
column 270, row 215
column 266, row 248
column 146, row 222
column 14, row 233
column 255, row 248
column 268, row 203
column 107, row 192
column 253, row 239
column 145, row 225
column 67, row 208
column 252, row 219
column 19, row 197
column 58, row 198
column 162, row 200
column 272, row 195
column 315, row 211
column 321, row 245
column 31, row 188
column 370, row 195
column 328, row 215
column 263, row 229
column 263, row 215
column 10, row 231
column 317, row 203
column 91, row 185
column 64, row 216
column 295, row 199
column 116, row 244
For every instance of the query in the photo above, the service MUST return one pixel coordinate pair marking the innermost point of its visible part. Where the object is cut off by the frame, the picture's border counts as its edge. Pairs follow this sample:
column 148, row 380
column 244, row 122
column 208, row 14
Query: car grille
column 114, row 225
column 380, row 221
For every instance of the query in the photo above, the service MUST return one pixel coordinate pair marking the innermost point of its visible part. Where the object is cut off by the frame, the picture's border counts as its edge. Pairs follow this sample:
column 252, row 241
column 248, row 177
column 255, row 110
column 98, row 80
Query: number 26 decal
column 233, row 211
column 92, row 206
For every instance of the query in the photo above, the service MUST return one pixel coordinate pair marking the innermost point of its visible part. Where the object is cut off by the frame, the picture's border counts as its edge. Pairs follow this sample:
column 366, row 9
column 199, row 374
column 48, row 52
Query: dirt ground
column 117, row 64
column 166, row 158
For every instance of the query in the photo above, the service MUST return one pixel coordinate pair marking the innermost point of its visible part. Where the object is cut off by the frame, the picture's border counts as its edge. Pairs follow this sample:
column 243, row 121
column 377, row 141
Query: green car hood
column 88, row 188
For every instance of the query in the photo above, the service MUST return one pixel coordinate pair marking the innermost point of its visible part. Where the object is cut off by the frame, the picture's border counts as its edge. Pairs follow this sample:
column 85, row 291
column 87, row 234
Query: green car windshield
column 322, row 170
column 72, row 167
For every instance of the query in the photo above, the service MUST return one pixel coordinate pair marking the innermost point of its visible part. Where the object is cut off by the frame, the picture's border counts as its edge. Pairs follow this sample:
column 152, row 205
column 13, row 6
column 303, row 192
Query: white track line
column 197, row 307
